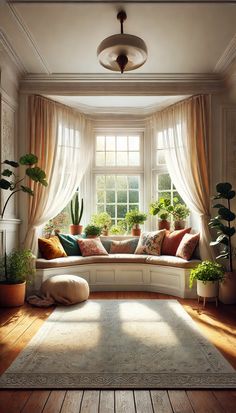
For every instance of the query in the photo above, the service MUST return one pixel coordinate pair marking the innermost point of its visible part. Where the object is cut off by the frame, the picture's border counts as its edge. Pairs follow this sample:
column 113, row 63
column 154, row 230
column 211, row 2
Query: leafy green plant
column 92, row 230
column 180, row 211
column 103, row 220
column 76, row 210
column 162, row 208
column 135, row 217
column 119, row 229
column 14, row 183
column 222, row 223
column 18, row 266
column 206, row 271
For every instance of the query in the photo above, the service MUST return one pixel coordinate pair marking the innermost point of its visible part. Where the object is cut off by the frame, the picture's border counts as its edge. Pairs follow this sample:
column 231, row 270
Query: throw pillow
column 187, row 246
column 91, row 246
column 69, row 243
column 51, row 248
column 150, row 242
column 172, row 241
column 127, row 246
column 106, row 243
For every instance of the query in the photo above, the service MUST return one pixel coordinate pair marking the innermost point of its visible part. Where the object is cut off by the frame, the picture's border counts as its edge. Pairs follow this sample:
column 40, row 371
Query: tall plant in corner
column 12, row 182
column 223, row 224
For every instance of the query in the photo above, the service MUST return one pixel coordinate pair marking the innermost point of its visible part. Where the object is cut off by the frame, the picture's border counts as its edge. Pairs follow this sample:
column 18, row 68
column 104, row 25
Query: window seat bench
column 124, row 272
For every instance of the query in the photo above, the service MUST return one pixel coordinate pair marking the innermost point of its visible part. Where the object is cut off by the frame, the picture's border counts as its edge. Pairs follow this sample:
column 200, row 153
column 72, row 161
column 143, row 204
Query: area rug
column 120, row 344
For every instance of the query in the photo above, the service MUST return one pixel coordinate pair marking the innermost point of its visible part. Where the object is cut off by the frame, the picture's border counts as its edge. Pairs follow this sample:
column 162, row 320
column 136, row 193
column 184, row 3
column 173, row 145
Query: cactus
column 76, row 211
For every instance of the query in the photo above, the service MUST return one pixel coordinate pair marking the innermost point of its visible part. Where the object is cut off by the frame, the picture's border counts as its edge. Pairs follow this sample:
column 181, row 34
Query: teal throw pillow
column 70, row 244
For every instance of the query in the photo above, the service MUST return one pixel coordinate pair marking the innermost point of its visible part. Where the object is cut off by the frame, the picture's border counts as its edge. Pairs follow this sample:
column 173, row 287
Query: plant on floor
column 92, row 230
column 102, row 220
column 14, row 183
column 224, row 215
column 206, row 271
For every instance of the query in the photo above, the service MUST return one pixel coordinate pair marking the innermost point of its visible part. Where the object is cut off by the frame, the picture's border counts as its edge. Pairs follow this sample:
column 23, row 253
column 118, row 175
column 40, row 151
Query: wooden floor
column 19, row 325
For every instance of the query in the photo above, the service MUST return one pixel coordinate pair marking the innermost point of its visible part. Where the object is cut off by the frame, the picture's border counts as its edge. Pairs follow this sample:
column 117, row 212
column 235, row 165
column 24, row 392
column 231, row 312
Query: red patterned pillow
column 172, row 240
column 91, row 246
column 150, row 242
column 187, row 246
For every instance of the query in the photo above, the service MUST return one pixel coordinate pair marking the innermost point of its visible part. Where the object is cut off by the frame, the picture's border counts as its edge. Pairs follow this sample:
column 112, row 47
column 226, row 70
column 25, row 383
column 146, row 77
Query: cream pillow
column 150, row 242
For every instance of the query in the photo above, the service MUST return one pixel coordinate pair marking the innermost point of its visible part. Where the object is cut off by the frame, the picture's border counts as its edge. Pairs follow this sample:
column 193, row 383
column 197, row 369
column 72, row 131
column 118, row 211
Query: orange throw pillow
column 172, row 240
column 51, row 248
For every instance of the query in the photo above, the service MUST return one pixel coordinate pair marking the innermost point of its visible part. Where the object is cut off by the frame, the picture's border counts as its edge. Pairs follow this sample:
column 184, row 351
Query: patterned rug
column 120, row 344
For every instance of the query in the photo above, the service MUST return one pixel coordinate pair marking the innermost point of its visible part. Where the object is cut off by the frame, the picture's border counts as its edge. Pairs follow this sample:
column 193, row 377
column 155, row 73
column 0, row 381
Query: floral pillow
column 91, row 246
column 187, row 246
column 150, row 242
column 124, row 247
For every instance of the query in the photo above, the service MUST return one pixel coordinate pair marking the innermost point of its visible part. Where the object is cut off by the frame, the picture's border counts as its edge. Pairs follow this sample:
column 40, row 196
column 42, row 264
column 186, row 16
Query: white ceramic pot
column 207, row 289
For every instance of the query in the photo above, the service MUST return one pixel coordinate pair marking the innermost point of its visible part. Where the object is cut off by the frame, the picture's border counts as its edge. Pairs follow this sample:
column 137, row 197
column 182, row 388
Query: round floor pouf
column 66, row 289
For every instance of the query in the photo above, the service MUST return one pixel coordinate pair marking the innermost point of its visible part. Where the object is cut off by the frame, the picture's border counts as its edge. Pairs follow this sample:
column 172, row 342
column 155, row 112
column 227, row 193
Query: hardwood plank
column 107, row 401
column 204, row 401
column 36, row 401
column 143, row 401
column 180, row 402
column 161, row 402
column 124, row 401
column 13, row 401
column 227, row 399
column 54, row 402
column 90, row 401
column 72, row 401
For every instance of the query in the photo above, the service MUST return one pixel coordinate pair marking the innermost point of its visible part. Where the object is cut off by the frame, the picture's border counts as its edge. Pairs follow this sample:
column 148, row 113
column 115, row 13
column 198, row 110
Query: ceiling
column 61, row 39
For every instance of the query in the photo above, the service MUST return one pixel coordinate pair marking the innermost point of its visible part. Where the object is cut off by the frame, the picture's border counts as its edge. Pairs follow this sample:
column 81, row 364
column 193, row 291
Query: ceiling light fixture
column 122, row 52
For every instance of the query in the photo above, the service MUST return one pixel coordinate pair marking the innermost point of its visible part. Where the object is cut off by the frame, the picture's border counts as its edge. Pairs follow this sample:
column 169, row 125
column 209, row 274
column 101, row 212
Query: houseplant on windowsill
column 208, row 274
column 222, row 223
column 18, row 266
column 102, row 220
column 180, row 213
column 134, row 219
column 163, row 209
column 76, row 212
column 92, row 231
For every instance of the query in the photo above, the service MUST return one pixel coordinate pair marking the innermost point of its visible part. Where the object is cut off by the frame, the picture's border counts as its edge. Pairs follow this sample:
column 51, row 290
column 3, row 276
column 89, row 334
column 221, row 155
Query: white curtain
column 185, row 133
column 60, row 137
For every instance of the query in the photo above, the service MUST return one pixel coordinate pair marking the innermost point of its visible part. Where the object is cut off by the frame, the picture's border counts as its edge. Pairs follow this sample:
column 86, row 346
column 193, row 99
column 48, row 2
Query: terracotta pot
column 76, row 229
column 207, row 289
column 136, row 232
column 227, row 293
column 91, row 236
column 12, row 295
column 179, row 224
column 163, row 224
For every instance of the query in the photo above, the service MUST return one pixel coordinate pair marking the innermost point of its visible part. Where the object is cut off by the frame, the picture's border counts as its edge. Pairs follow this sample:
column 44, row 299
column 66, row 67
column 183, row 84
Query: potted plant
column 222, row 223
column 18, row 269
column 14, row 183
column 208, row 274
column 134, row 218
column 76, row 212
column 92, row 231
column 102, row 220
column 119, row 229
column 163, row 209
column 180, row 213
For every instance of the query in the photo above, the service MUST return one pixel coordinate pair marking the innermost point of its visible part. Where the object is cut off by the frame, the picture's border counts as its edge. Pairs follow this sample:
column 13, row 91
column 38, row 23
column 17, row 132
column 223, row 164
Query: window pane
column 163, row 194
column 100, row 181
column 164, row 182
column 100, row 143
column 132, row 207
column 134, row 158
column 110, row 182
column 110, row 143
column 100, row 197
column 133, row 182
column 121, row 196
column 110, row 158
column 121, row 182
column 100, row 208
column 110, row 197
column 121, row 143
column 177, row 195
column 133, row 196
column 110, row 209
column 122, row 158
column 100, row 158
column 121, row 211
column 134, row 143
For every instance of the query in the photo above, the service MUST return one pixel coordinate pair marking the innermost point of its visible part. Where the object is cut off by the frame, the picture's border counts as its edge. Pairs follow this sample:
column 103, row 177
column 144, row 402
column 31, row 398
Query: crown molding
column 227, row 57
column 11, row 52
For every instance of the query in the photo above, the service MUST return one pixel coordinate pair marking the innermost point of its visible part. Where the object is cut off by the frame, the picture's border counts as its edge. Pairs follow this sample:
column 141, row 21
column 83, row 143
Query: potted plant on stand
column 76, row 215
column 19, row 265
column 208, row 274
column 102, row 220
column 92, row 231
column 180, row 213
column 134, row 219
column 163, row 209
column 222, row 223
